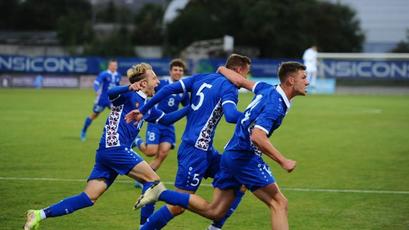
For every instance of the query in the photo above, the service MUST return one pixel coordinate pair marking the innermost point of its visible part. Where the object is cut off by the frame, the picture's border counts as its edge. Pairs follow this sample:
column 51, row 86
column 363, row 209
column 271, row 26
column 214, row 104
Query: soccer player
column 242, row 163
column 311, row 63
column 114, row 155
column 160, row 139
column 212, row 95
column 105, row 80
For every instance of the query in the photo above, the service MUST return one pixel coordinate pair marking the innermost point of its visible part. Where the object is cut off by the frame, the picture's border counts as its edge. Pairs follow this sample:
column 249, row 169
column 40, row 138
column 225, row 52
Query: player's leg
column 167, row 141
column 192, row 165
column 96, row 110
column 150, row 148
column 219, row 223
column 214, row 172
column 161, row 155
column 94, row 189
column 278, row 204
column 148, row 209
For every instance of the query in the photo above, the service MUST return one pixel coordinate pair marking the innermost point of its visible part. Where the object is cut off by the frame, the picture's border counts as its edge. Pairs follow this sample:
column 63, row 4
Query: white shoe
column 33, row 219
column 211, row 227
column 151, row 195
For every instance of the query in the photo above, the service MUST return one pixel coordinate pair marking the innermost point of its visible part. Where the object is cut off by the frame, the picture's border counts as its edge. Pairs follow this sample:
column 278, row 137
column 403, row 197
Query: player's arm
column 98, row 81
column 186, row 99
column 158, row 116
column 116, row 92
column 230, row 111
column 260, row 139
column 242, row 82
column 236, row 78
column 177, row 87
column 230, row 98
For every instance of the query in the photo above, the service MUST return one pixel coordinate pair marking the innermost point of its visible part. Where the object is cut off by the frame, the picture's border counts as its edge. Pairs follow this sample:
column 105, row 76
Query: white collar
column 142, row 94
column 281, row 92
column 171, row 80
column 112, row 73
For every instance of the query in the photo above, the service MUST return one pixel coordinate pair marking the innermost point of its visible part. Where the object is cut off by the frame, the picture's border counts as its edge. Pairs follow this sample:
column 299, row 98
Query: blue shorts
column 101, row 103
column 111, row 162
column 157, row 133
column 194, row 165
column 242, row 168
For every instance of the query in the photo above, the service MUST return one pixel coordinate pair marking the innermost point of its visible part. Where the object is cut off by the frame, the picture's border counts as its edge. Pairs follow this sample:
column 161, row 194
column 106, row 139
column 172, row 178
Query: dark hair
column 237, row 60
column 112, row 60
column 287, row 68
column 177, row 62
column 137, row 72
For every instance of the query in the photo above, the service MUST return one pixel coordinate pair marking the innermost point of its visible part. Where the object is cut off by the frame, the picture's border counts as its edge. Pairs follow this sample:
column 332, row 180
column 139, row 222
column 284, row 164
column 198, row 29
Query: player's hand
column 289, row 165
column 134, row 115
column 136, row 86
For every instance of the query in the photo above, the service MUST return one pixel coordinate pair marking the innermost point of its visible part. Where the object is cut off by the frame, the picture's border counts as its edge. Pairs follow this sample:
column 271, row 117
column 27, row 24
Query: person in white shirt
column 311, row 62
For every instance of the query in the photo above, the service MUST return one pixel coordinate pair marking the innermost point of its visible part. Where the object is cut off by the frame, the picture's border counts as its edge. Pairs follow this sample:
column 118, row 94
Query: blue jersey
column 105, row 81
column 266, row 112
column 171, row 102
column 210, row 93
column 118, row 133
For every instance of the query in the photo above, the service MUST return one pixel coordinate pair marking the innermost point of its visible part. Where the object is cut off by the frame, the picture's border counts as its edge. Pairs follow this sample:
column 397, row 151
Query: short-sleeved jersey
column 118, row 133
column 171, row 102
column 208, row 94
column 106, row 80
column 266, row 112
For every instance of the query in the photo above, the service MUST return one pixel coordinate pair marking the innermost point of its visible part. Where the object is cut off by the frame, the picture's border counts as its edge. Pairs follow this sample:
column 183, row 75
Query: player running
column 114, row 155
column 212, row 95
column 160, row 139
column 242, row 163
column 105, row 80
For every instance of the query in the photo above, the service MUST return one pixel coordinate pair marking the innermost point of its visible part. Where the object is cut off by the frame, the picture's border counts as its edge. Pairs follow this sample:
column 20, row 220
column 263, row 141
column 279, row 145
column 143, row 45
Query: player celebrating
column 212, row 95
column 105, row 80
column 241, row 163
column 161, row 138
column 114, row 156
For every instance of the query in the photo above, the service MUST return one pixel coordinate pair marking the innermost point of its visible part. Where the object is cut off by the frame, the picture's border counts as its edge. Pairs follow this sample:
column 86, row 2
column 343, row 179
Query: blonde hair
column 137, row 72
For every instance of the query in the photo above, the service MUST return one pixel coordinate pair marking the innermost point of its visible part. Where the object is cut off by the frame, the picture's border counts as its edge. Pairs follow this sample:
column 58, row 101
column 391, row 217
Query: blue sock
column 148, row 209
column 87, row 123
column 158, row 219
column 236, row 202
column 175, row 198
column 68, row 205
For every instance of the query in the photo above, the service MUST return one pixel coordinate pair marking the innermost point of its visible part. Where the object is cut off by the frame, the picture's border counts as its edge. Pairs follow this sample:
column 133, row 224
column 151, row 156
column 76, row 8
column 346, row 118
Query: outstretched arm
column 115, row 92
column 177, row 87
column 170, row 118
column 236, row 78
column 260, row 139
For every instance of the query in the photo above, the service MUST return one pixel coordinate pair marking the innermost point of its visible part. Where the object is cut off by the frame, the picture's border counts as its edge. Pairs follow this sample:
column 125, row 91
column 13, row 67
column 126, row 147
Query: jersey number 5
column 201, row 95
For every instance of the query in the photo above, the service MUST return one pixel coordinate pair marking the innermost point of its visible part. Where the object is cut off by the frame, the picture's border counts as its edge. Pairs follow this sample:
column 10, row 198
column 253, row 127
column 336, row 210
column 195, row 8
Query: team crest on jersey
column 205, row 136
column 111, row 129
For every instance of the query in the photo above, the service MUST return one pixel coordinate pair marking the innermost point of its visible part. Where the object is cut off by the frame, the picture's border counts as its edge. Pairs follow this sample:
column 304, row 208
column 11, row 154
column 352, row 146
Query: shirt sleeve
column 116, row 93
column 260, row 86
column 158, row 116
column 98, row 81
column 267, row 117
column 178, row 87
column 230, row 93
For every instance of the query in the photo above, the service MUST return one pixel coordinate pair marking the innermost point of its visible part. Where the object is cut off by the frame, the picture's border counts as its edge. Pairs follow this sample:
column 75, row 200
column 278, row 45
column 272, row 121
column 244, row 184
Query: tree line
column 276, row 28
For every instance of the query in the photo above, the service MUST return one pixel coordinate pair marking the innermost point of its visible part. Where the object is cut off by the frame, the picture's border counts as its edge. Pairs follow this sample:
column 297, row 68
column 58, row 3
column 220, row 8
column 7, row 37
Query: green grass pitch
column 351, row 150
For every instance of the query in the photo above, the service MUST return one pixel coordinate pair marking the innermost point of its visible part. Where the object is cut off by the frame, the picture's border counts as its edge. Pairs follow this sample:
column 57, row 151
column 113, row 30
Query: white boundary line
column 209, row 185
